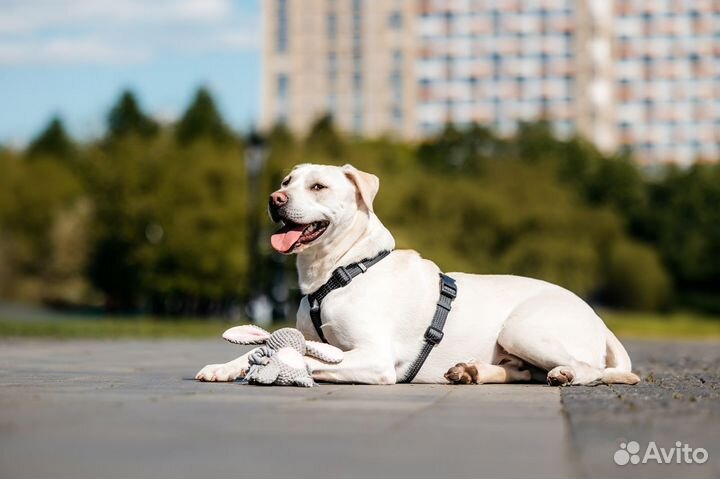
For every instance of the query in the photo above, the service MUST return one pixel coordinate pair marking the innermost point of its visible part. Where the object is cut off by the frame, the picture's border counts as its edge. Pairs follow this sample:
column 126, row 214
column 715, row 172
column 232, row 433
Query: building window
column 357, row 121
column 332, row 22
column 496, row 59
column 395, row 20
column 283, row 86
column 397, row 115
column 332, row 67
column 282, row 26
column 496, row 22
column 357, row 81
column 332, row 104
column 357, row 45
column 396, row 86
column 357, row 30
column 283, row 96
column 357, row 10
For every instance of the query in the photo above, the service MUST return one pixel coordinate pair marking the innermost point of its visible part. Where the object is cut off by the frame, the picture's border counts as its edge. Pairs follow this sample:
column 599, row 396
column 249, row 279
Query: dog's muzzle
column 274, row 213
column 276, row 205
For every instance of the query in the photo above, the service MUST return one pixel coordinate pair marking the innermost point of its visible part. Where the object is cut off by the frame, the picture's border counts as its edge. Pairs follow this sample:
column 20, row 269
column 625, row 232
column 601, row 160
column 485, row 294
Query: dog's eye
column 318, row 187
column 286, row 182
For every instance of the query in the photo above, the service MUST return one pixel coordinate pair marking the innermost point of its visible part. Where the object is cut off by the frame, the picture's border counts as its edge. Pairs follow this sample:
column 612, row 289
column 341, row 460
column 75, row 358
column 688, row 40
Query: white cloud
column 238, row 40
column 22, row 16
column 69, row 51
column 119, row 31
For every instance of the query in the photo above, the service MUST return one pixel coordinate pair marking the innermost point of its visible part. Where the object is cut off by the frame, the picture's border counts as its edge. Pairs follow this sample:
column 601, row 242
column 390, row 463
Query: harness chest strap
column 434, row 333
column 343, row 275
column 340, row 278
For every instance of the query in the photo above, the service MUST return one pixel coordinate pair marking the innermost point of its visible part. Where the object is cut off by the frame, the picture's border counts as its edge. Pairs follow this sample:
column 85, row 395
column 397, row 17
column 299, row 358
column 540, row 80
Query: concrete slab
column 90, row 409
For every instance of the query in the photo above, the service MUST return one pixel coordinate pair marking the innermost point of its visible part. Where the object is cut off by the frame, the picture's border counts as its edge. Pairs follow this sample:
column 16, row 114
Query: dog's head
column 316, row 203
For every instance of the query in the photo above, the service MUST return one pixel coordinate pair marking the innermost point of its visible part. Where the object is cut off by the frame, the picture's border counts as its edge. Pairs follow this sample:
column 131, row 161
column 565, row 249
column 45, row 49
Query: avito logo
column 629, row 453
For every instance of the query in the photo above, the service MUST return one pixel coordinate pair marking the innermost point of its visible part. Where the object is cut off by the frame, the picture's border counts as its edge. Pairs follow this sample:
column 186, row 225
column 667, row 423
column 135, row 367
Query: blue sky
column 73, row 57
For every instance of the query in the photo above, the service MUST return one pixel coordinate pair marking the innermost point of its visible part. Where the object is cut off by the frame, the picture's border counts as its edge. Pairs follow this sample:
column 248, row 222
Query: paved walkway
column 128, row 409
column 677, row 400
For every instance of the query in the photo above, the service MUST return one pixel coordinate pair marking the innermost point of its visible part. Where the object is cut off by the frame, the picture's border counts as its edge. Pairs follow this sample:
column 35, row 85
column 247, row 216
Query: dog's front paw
column 219, row 373
column 560, row 376
column 462, row 373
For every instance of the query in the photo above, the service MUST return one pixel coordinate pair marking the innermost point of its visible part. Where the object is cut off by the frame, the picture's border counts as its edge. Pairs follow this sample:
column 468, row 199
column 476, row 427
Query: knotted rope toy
column 281, row 358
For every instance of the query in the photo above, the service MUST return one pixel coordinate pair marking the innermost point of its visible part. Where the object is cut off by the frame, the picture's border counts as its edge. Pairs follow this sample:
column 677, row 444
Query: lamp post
column 258, row 307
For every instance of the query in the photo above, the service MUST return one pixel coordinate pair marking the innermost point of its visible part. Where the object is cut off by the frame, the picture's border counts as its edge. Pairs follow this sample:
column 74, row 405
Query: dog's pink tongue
column 284, row 239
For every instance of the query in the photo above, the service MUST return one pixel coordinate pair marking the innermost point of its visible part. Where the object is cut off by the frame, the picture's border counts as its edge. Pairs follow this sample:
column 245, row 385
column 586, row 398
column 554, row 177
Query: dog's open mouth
column 292, row 235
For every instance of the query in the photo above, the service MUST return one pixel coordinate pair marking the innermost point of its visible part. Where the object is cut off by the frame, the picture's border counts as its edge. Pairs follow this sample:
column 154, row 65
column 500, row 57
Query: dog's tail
column 618, row 366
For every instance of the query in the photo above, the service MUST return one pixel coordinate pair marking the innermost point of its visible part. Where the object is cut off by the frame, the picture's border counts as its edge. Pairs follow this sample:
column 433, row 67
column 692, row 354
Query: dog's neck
column 365, row 238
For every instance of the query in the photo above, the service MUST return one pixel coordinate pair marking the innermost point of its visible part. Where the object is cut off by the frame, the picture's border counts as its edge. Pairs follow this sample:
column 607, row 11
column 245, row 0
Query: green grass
column 112, row 328
column 680, row 325
column 624, row 324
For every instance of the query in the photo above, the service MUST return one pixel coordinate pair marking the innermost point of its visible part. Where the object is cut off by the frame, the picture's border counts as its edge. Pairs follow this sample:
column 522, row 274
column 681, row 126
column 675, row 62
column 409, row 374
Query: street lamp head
column 255, row 140
column 255, row 153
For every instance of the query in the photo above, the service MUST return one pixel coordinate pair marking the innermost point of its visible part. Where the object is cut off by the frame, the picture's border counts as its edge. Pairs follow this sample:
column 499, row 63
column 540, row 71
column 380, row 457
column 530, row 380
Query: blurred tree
column 194, row 253
column 324, row 139
column 7, row 277
column 516, row 217
column 168, row 229
column 460, row 150
column 52, row 141
column 33, row 194
column 683, row 219
column 158, row 224
column 202, row 120
column 126, row 118
column 64, row 278
column 635, row 277
column 8, row 165
column 280, row 137
column 535, row 142
column 118, row 178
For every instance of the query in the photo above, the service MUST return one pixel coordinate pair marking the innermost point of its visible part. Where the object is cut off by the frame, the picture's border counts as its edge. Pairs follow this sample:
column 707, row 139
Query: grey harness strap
column 340, row 278
column 434, row 332
column 344, row 275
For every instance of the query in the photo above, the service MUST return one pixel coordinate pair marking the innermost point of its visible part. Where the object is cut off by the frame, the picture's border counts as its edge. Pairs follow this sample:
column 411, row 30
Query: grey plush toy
column 281, row 360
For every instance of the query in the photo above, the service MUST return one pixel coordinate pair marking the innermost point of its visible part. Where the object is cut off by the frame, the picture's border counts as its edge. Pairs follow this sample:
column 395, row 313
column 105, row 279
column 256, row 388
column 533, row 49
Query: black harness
column 344, row 275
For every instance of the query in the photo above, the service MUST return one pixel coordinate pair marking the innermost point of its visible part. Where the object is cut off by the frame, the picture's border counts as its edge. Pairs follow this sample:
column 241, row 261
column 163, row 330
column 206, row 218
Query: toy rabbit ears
column 324, row 352
column 248, row 334
column 251, row 334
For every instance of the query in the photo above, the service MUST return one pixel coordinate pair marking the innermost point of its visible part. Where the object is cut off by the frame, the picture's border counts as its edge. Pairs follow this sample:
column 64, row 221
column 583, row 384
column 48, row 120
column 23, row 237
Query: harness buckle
column 314, row 307
column 343, row 276
column 433, row 335
column 448, row 287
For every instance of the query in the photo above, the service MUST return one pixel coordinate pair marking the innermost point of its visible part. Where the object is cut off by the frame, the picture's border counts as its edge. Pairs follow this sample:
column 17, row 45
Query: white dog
column 501, row 328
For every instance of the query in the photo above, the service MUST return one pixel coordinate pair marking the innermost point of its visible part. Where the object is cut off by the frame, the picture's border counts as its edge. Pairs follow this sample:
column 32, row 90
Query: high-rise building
column 631, row 74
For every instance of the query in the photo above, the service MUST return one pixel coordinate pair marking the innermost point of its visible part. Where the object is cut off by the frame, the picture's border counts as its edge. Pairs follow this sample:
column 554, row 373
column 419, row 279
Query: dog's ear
column 247, row 334
column 366, row 184
column 324, row 352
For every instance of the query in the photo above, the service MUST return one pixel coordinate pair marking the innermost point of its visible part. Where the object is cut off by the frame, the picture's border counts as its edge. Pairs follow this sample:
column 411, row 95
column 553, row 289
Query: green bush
column 560, row 260
column 636, row 278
